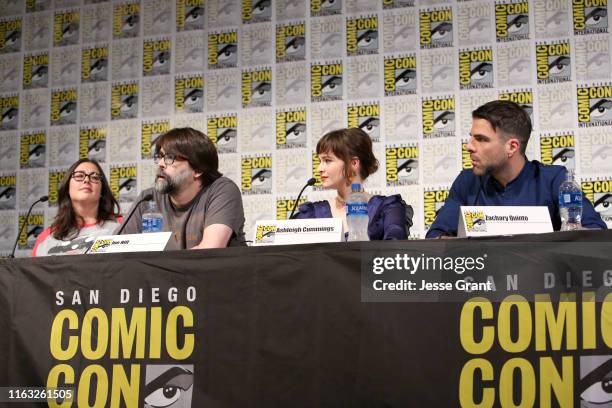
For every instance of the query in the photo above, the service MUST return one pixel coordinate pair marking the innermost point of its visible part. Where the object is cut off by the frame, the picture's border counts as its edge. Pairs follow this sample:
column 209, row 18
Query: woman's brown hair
column 67, row 223
column 346, row 144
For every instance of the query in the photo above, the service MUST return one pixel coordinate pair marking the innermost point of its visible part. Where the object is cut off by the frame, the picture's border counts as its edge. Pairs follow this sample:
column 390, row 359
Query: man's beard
column 170, row 184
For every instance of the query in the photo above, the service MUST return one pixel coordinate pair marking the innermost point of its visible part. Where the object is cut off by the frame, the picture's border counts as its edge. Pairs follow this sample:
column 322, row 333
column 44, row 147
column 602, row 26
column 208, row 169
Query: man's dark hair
column 508, row 117
column 195, row 147
column 67, row 223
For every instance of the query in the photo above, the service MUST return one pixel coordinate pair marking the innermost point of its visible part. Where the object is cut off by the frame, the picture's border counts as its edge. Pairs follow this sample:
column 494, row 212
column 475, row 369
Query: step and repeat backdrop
column 265, row 79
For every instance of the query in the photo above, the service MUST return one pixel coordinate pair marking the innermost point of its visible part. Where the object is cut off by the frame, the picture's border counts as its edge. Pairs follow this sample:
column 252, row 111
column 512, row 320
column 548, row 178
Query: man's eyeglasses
column 168, row 158
column 93, row 176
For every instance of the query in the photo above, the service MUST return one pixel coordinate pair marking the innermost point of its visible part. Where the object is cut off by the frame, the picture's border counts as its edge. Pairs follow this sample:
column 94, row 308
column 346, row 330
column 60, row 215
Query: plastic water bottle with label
column 357, row 214
column 152, row 220
column 570, row 203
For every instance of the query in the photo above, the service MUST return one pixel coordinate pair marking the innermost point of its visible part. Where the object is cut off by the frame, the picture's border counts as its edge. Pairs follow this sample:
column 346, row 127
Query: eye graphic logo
column 10, row 35
column 365, row 117
column 33, row 227
column 291, row 129
column 92, row 144
column 222, row 50
column 8, row 192
column 9, row 112
column 150, row 131
column 257, row 88
column 595, row 385
column 475, row 221
column 436, row 28
column 257, row 175
column 285, row 206
column 168, row 386
column 558, row 150
column 64, row 107
column 124, row 183
column 594, row 106
column 361, row 36
column 291, row 42
column 223, row 131
column 319, row 8
column 94, row 64
column 438, row 117
column 189, row 94
column 476, row 68
column 189, row 15
column 265, row 234
column 590, row 17
column 156, row 57
column 511, row 21
column 35, row 71
column 124, row 100
column 55, row 179
column 523, row 98
column 66, row 28
column 402, row 165
column 400, row 75
column 326, row 82
column 553, row 62
column 433, row 200
column 256, row 11
column 126, row 20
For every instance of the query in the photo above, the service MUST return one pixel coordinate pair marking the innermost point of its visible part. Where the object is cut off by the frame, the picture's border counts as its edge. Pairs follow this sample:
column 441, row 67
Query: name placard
column 154, row 241
column 286, row 232
column 481, row 221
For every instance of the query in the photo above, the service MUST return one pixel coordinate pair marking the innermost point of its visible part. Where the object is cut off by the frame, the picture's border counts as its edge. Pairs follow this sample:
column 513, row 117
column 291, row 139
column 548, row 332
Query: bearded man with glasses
column 200, row 207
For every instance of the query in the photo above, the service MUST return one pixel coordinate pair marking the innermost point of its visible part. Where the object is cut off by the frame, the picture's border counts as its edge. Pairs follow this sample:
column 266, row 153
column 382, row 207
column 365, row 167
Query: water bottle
column 152, row 220
column 570, row 203
column 357, row 214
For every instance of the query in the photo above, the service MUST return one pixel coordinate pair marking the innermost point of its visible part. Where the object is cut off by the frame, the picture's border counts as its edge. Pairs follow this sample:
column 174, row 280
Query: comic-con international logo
column 124, row 182
column 599, row 192
column 156, row 57
column 326, row 82
column 55, row 180
column 256, row 11
column 64, row 106
column 466, row 159
column 34, row 225
column 10, row 35
column 594, row 106
column 524, row 98
column 361, row 35
column 66, row 28
column 223, row 50
column 318, row 185
column 291, row 42
column 37, row 5
column 257, row 88
column 433, row 200
column 590, row 16
column 149, row 132
column 475, row 221
column 9, row 111
column 256, row 175
column 400, row 75
column 124, row 100
column 223, row 131
column 436, row 28
column 402, row 165
column 94, row 64
column 265, row 234
column 558, row 149
column 92, row 143
column 32, row 150
column 438, row 117
column 284, row 206
column 320, row 8
column 35, row 70
column 189, row 15
column 126, row 20
column 291, row 128
column 512, row 21
column 365, row 117
column 476, row 68
column 189, row 94
column 391, row 4
column 553, row 62
column 8, row 191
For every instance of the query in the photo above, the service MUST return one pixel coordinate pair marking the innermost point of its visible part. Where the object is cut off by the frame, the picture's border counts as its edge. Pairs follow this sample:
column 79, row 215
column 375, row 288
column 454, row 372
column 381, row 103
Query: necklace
column 340, row 202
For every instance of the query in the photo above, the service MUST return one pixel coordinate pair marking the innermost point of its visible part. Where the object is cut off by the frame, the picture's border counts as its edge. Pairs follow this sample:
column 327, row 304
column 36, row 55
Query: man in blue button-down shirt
column 501, row 174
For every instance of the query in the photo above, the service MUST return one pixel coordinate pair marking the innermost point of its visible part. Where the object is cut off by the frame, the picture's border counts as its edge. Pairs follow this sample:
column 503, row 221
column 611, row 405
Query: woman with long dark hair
column 346, row 157
column 87, row 209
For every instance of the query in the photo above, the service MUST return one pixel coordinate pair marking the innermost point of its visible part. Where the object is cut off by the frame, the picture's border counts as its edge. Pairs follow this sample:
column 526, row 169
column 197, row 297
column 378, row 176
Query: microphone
column 147, row 197
column 25, row 222
column 310, row 182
